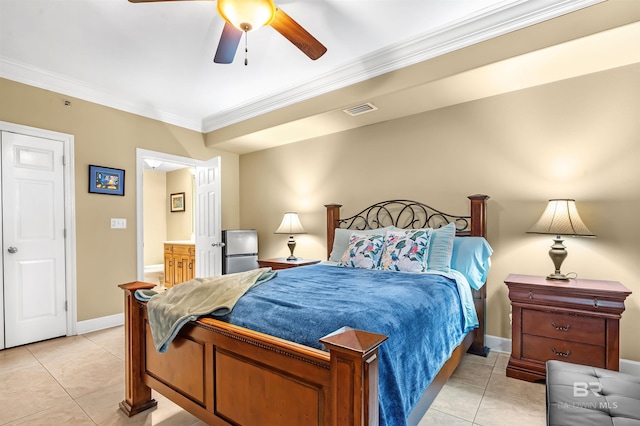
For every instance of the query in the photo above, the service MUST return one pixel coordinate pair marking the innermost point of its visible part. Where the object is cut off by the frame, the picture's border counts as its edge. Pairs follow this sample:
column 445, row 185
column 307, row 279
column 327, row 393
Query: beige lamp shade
column 561, row 218
column 290, row 224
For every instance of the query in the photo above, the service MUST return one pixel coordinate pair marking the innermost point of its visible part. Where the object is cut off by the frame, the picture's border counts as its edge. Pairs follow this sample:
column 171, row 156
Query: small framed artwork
column 105, row 180
column 177, row 202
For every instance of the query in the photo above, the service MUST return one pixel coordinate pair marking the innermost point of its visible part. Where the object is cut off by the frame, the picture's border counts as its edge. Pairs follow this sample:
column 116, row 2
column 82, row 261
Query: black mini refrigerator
column 240, row 250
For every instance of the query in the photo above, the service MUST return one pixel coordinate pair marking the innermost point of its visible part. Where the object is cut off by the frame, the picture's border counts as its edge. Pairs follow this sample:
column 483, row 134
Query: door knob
column 12, row 250
column 218, row 244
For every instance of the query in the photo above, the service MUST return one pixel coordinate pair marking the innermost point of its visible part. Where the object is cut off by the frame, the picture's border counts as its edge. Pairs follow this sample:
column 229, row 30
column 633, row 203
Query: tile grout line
column 60, row 384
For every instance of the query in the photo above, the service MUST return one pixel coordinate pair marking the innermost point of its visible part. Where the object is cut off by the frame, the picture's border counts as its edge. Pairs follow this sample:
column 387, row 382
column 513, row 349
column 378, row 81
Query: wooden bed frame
column 228, row 375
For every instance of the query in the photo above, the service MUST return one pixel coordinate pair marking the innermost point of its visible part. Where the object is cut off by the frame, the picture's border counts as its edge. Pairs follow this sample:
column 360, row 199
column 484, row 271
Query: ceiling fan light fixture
column 247, row 15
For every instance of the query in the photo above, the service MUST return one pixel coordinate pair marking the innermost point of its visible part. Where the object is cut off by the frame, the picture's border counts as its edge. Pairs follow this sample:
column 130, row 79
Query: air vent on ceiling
column 360, row 109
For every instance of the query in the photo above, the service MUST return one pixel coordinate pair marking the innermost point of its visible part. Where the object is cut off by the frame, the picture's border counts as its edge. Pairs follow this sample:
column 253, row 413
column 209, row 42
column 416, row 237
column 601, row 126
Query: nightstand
column 283, row 263
column 575, row 321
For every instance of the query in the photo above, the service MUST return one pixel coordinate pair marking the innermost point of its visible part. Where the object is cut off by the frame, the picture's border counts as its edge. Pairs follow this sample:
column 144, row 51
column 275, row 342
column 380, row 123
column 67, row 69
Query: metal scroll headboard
column 404, row 214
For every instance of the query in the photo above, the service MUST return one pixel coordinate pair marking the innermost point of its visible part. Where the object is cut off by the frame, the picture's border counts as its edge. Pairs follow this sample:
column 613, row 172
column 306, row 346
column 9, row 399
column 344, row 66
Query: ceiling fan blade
column 297, row 35
column 228, row 45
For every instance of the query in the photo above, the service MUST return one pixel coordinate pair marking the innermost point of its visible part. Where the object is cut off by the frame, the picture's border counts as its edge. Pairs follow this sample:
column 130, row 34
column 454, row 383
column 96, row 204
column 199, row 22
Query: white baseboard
column 630, row 367
column 498, row 344
column 501, row 344
column 101, row 323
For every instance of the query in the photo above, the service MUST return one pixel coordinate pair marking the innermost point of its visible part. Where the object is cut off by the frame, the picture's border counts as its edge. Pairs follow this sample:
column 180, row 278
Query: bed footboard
column 225, row 374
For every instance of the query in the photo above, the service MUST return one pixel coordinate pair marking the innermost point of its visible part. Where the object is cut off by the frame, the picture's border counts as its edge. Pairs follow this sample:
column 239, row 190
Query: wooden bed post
column 478, row 215
column 479, row 229
column 137, row 394
column 354, row 376
column 333, row 216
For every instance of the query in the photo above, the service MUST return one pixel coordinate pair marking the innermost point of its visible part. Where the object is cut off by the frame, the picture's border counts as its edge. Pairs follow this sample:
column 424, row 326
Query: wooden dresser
column 575, row 321
column 179, row 262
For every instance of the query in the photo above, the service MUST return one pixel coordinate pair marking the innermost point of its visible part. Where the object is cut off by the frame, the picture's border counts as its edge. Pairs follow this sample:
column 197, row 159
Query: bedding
column 170, row 310
column 342, row 236
column 364, row 251
column 470, row 256
column 421, row 313
column 439, row 246
column 406, row 250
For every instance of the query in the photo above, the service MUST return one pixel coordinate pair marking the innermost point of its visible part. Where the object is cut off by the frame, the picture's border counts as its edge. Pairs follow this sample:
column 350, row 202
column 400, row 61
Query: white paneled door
column 33, row 240
column 207, row 230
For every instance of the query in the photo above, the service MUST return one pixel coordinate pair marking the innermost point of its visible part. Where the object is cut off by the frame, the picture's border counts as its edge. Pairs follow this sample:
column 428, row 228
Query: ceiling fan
column 248, row 15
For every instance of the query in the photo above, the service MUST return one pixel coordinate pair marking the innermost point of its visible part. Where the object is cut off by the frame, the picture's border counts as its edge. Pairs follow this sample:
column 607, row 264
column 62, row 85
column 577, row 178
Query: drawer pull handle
column 595, row 303
column 530, row 295
column 560, row 328
column 562, row 354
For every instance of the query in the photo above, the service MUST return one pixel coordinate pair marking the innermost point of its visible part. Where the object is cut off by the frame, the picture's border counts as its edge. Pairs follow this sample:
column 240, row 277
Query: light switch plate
column 118, row 223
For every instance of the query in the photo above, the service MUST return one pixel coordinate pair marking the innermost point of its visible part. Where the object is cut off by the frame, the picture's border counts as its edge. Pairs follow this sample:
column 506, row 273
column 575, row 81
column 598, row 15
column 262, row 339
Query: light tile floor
column 79, row 380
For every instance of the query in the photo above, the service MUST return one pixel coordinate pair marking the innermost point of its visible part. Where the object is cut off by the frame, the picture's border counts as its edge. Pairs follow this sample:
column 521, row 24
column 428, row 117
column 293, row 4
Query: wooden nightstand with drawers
column 283, row 263
column 575, row 321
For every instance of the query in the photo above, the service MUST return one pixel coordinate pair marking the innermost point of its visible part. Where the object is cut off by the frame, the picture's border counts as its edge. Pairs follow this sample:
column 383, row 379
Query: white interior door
column 33, row 239
column 208, row 234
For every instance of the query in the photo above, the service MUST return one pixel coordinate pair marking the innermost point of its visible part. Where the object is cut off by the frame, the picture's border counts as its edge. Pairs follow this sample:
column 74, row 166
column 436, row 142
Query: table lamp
column 560, row 218
column 290, row 225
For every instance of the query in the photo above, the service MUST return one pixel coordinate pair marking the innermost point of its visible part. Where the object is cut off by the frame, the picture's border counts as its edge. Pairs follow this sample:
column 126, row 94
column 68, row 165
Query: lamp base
column 292, row 245
column 557, row 277
column 557, row 254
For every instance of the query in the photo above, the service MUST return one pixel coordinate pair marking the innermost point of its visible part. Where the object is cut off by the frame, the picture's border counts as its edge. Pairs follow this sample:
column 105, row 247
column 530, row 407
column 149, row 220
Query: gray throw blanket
column 172, row 309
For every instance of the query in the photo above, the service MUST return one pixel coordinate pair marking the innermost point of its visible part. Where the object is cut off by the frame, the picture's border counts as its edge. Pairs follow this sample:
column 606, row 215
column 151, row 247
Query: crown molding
column 37, row 77
column 508, row 16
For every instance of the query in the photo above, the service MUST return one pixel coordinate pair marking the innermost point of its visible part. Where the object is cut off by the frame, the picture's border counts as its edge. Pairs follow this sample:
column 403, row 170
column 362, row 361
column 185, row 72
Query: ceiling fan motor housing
column 247, row 15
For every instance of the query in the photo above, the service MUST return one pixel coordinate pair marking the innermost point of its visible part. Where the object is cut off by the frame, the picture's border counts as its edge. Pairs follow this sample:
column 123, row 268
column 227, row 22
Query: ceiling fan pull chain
column 246, row 49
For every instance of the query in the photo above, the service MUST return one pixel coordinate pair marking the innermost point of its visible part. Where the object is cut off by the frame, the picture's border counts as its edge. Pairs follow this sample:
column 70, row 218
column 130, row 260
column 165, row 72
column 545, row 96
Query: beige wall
column 180, row 224
column 155, row 222
column 109, row 137
column 576, row 138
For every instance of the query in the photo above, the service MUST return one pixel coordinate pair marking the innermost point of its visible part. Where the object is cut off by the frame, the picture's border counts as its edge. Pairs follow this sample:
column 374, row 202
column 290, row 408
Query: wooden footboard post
column 354, row 376
column 137, row 394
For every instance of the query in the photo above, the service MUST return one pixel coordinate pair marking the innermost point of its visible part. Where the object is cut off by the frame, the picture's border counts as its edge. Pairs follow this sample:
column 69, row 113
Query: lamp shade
column 561, row 218
column 247, row 15
column 290, row 225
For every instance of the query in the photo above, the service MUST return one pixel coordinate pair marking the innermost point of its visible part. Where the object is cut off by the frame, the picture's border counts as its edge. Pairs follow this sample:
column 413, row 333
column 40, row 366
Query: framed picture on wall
column 177, row 202
column 105, row 180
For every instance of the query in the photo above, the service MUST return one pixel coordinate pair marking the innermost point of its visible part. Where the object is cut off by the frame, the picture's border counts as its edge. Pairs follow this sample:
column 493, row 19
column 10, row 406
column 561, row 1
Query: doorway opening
column 178, row 212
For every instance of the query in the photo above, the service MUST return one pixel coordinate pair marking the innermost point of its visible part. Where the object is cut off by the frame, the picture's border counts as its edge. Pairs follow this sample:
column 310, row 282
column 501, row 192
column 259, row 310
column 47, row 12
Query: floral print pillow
column 406, row 250
column 363, row 252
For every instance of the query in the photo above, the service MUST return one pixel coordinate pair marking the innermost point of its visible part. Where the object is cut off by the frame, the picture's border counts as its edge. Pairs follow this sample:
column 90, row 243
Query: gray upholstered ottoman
column 581, row 395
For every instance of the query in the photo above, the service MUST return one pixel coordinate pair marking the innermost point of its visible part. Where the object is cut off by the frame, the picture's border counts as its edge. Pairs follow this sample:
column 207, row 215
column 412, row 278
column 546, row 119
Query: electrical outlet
column 118, row 223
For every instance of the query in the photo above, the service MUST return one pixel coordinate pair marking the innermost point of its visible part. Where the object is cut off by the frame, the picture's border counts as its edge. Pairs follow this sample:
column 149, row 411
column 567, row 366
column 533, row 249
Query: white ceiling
column 156, row 59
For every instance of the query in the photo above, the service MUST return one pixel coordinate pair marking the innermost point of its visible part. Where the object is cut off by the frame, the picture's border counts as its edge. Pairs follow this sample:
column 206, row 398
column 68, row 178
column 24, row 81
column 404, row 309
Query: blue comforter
column 421, row 313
